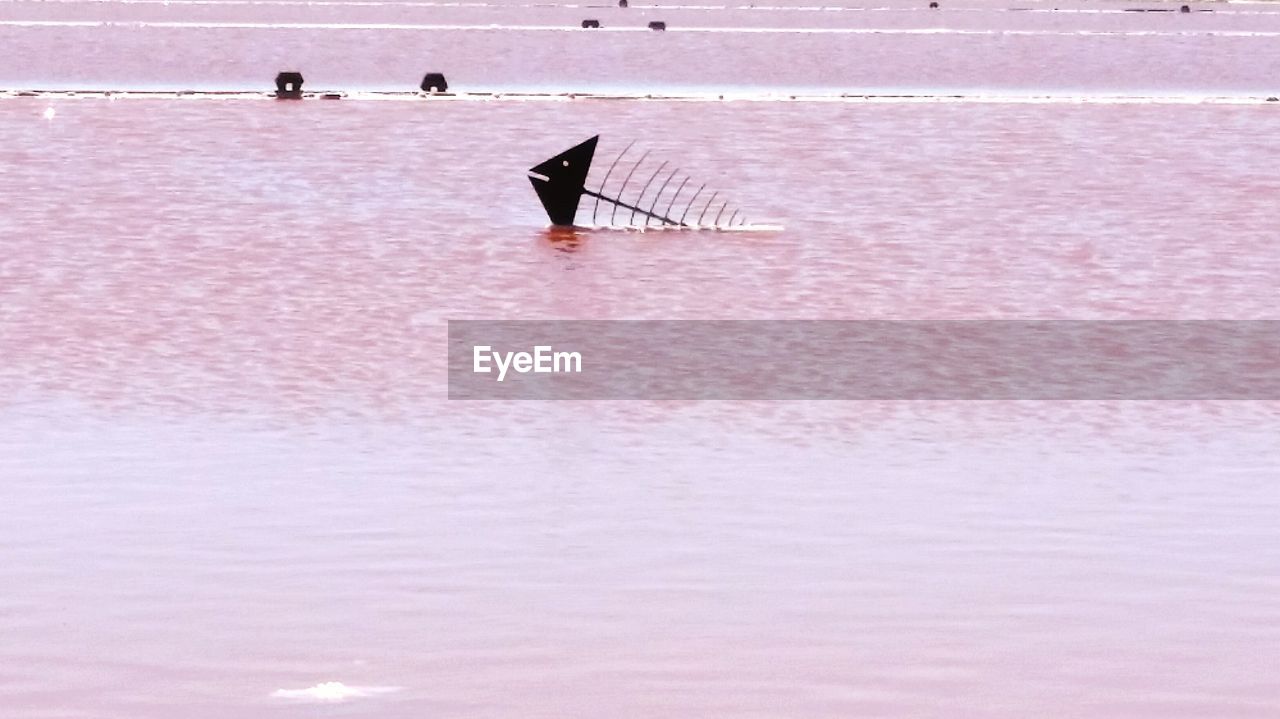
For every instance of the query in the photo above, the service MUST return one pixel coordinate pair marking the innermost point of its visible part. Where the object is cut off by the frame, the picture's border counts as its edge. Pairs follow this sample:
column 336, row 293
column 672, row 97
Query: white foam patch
column 332, row 693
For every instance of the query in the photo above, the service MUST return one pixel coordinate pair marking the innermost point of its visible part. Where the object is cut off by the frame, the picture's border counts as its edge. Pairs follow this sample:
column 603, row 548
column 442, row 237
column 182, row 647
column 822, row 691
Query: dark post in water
column 289, row 85
column 434, row 82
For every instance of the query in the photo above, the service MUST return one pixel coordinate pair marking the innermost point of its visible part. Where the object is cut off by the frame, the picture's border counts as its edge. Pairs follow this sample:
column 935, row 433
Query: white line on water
column 569, row 28
column 600, row 6
column 766, row 97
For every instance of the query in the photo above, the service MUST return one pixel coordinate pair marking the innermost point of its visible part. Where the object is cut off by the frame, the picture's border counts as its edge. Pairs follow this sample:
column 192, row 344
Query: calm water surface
column 965, row 47
column 230, row 475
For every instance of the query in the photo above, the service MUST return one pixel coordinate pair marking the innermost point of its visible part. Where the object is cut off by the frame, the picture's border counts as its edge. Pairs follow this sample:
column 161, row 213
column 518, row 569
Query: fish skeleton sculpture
column 561, row 181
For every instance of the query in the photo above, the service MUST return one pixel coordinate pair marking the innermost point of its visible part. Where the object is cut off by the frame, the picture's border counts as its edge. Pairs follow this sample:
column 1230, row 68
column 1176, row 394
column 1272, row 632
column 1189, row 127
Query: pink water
column 967, row 47
column 229, row 468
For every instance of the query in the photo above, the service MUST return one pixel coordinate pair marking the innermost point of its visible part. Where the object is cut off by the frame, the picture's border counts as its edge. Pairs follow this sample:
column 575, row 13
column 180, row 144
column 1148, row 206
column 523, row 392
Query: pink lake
column 230, row 475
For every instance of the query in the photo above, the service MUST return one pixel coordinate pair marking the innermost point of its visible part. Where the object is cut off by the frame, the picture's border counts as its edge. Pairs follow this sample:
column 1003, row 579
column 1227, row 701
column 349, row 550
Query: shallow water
column 885, row 48
column 231, row 478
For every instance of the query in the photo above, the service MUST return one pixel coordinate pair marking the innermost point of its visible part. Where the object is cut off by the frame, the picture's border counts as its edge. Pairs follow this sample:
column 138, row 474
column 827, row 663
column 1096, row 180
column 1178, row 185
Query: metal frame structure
column 561, row 181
